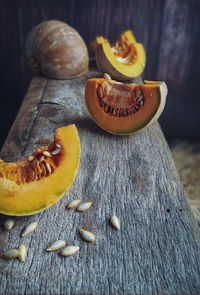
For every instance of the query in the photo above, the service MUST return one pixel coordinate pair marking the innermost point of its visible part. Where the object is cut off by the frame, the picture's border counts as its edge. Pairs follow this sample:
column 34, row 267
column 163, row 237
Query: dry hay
column 187, row 159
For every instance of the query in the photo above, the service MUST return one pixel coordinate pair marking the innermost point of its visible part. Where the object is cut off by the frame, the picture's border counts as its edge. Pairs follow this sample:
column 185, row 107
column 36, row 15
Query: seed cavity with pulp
column 119, row 100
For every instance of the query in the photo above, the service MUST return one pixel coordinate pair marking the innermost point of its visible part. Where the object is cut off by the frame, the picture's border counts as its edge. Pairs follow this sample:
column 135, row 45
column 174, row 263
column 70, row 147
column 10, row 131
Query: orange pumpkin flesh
column 34, row 184
column 124, row 109
column 123, row 60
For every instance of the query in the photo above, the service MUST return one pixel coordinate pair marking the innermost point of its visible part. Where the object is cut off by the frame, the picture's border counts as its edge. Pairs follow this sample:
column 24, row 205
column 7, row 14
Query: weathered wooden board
column 157, row 250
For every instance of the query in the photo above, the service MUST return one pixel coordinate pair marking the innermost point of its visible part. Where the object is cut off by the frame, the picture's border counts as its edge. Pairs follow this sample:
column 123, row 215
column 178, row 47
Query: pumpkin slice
column 34, row 184
column 124, row 109
column 123, row 60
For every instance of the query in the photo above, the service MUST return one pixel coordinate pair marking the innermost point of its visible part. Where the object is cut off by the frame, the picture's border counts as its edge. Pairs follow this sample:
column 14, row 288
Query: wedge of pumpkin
column 34, row 184
column 123, row 60
column 124, row 109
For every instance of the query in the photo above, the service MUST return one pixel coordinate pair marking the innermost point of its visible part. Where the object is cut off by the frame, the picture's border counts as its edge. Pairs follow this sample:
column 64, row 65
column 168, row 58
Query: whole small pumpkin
column 56, row 50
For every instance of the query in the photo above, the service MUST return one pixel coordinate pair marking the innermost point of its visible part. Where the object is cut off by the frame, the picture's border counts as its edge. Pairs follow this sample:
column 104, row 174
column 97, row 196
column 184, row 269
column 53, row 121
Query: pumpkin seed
column 30, row 228
column 9, row 223
column 115, row 221
column 87, row 235
column 22, row 252
column 137, row 94
column 48, row 167
column 141, row 103
column 41, row 159
column 69, row 250
column 56, row 245
column 117, row 82
column 47, row 154
column 84, row 206
column 56, row 152
column 58, row 145
column 73, row 204
column 100, row 92
column 139, row 98
column 10, row 254
column 31, row 158
column 107, row 76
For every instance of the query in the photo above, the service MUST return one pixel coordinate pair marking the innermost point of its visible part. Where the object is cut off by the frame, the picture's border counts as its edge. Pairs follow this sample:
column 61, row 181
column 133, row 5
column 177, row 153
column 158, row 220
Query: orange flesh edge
column 122, row 125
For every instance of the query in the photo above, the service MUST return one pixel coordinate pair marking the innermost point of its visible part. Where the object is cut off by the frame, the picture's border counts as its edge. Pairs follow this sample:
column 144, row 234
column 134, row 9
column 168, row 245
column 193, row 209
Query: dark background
column 169, row 30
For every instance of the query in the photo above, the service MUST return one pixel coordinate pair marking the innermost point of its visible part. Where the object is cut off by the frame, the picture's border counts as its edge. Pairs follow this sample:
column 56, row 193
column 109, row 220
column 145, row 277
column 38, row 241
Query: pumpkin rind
column 130, row 65
column 56, row 50
column 20, row 195
column 102, row 110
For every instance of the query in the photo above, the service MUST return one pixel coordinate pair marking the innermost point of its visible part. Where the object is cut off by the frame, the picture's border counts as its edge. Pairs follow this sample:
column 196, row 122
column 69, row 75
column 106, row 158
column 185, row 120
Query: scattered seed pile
column 21, row 252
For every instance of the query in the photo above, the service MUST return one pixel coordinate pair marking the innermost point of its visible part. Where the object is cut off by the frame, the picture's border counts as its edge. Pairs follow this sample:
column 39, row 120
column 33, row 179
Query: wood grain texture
column 169, row 30
column 157, row 250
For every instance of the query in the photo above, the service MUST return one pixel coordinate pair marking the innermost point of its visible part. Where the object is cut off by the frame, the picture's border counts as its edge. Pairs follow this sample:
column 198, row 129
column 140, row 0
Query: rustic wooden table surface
column 157, row 250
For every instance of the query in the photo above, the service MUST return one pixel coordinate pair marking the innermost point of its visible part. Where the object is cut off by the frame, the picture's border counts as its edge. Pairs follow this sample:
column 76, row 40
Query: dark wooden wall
column 169, row 30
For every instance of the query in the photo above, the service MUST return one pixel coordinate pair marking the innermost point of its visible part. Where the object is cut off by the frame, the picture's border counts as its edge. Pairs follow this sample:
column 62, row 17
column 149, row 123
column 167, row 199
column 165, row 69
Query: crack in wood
column 51, row 103
column 34, row 120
